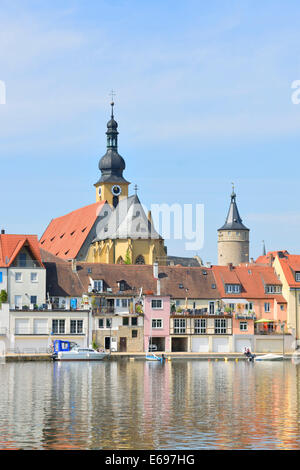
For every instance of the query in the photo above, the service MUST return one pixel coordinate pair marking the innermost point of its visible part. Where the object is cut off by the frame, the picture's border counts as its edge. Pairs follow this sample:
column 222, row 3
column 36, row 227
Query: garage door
column 40, row 326
column 241, row 344
column 273, row 345
column 220, row 345
column 199, row 344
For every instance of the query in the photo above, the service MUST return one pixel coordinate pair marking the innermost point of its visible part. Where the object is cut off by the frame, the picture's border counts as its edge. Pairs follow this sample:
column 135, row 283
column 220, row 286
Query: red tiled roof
column 270, row 256
column 252, row 278
column 65, row 235
column 10, row 246
column 290, row 265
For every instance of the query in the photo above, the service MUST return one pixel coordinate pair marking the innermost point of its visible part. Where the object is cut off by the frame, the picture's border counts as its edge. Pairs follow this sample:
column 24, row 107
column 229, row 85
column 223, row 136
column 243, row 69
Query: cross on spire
column 112, row 94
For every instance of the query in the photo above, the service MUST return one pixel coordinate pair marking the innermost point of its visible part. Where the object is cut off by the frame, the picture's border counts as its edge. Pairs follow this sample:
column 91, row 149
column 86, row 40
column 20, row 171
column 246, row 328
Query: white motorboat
column 153, row 357
column 269, row 357
column 81, row 354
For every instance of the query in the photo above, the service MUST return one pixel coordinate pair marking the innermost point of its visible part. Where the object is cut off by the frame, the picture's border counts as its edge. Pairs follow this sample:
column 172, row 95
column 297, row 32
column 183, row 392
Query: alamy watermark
column 171, row 222
column 2, row 92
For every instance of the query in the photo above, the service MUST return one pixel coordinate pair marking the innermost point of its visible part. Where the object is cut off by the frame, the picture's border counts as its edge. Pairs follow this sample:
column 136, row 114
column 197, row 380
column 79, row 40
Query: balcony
column 245, row 316
column 104, row 310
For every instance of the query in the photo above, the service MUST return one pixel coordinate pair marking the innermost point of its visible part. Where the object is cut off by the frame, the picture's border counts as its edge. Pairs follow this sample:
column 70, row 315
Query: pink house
column 157, row 322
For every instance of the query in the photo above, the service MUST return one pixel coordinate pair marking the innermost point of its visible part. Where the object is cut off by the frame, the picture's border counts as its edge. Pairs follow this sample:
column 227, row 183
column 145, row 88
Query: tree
column 3, row 296
column 127, row 257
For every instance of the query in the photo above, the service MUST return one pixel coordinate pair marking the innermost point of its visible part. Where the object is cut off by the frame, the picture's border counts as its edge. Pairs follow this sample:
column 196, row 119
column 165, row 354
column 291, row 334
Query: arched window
column 115, row 201
column 140, row 260
column 120, row 260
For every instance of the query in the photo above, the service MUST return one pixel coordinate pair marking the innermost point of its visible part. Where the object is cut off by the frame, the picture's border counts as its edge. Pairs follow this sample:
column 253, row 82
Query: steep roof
column 233, row 219
column 252, row 279
column 290, row 265
column 128, row 220
column 65, row 235
column 270, row 256
column 11, row 245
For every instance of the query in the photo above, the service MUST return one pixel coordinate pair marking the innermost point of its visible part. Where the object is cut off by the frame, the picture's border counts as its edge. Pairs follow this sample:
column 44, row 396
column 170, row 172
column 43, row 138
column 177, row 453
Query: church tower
column 233, row 237
column 112, row 186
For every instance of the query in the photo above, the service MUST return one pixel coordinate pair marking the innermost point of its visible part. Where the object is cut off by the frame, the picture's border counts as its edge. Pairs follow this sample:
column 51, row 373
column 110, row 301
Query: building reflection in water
column 124, row 404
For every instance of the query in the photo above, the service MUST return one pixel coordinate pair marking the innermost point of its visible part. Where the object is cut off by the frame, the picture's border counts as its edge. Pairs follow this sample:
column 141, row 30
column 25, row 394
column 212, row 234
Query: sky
column 203, row 99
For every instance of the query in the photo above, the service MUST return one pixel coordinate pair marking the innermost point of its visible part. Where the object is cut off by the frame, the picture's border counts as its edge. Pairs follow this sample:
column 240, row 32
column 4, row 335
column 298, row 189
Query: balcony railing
column 245, row 316
column 103, row 310
column 200, row 331
column 26, row 264
column 202, row 312
column 45, row 332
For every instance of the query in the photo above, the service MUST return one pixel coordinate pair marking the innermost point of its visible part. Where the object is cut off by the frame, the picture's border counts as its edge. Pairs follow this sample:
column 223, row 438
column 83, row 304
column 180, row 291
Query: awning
column 235, row 301
column 264, row 320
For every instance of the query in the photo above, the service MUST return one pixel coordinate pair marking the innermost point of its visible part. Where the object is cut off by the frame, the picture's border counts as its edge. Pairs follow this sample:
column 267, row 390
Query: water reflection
column 140, row 405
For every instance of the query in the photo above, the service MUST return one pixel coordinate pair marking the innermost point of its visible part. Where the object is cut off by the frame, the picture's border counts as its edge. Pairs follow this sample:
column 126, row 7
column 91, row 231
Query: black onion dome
column 112, row 164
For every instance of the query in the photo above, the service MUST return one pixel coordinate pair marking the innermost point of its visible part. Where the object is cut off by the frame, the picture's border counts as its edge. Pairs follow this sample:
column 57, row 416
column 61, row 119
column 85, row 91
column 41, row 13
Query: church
column 114, row 229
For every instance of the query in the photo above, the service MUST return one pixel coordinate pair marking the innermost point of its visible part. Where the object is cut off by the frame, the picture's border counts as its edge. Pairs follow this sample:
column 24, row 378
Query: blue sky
column 203, row 99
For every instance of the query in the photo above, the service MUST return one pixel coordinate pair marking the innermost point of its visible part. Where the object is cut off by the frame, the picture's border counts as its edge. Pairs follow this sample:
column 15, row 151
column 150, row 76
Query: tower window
column 115, row 201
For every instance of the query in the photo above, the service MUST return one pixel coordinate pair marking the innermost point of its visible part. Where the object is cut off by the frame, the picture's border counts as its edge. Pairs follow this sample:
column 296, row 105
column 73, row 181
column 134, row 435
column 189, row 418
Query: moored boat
column 81, row 354
column 153, row 357
column 269, row 357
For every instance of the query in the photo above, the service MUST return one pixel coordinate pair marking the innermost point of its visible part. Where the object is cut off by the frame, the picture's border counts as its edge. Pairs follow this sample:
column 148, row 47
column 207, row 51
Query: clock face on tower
column 116, row 190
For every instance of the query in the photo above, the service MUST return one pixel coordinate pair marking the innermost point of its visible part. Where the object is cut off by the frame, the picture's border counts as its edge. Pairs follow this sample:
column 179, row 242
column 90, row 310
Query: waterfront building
column 157, row 322
column 287, row 268
column 253, row 295
column 115, row 229
column 233, row 237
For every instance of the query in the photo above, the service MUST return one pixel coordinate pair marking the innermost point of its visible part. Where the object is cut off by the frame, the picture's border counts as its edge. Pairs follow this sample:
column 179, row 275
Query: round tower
column 233, row 237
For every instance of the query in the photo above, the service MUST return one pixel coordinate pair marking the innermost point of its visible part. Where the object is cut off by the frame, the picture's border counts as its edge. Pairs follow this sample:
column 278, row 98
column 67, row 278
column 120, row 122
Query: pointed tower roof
column 233, row 219
column 112, row 164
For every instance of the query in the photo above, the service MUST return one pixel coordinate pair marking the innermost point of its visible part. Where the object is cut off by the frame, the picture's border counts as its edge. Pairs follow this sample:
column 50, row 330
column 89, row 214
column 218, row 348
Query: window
column 22, row 260
column 140, row 260
column 33, row 299
column 100, row 323
column 243, row 326
column 232, row 307
column 117, row 302
column 156, row 303
column 157, row 323
column 33, row 277
column 211, row 308
column 18, row 277
column 250, row 305
column 220, row 326
column 179, row 325
column 18, row 301
column 98, row 285
column 134, row 333
column 76, row 327
column 267, row 306
column 233, row 288
column 125, row 321
column 281, row 307
column 108, row 323
column 200, row 326
column 273, row 289
column 125, row 303
column 58, row 326
column 297, row 277
column 122, row 285
column 134, row 321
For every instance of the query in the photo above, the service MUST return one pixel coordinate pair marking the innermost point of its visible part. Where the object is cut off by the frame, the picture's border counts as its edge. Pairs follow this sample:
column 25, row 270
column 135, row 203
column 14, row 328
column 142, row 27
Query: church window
column 140, row 260
column 120, row 260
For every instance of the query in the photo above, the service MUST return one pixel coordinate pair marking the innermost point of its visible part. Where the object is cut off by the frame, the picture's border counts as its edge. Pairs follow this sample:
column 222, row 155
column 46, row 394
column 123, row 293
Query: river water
column 183, row 404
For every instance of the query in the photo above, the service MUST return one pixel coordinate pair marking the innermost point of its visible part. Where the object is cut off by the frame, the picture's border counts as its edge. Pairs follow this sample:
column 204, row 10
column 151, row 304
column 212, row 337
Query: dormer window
column 98, row 285
column 297, row 277
column 122, row 285
column 270, row 289
column 233, row 288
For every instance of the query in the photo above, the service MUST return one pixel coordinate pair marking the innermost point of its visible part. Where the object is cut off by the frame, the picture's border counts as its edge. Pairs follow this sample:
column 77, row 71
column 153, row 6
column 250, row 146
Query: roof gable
column 11, row 245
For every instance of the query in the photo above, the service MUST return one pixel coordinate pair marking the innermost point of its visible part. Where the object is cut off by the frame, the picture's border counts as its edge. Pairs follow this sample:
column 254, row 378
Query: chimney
column 74, row 266
column 2, row 232
column 230, row 266
column 155, row 270
column 208, row 264
column 150, row 217
column 271, row 259
column 251, row 261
